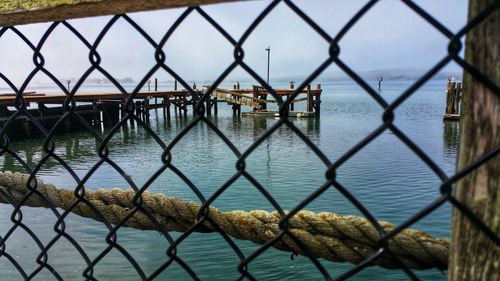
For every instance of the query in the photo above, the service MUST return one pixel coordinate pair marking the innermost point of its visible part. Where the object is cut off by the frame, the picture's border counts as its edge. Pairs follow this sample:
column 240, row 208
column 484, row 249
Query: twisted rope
column 328, row 235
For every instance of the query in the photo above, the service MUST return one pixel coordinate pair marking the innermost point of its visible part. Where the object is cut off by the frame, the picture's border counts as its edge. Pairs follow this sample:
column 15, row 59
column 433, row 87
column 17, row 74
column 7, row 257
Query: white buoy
column 299, row 115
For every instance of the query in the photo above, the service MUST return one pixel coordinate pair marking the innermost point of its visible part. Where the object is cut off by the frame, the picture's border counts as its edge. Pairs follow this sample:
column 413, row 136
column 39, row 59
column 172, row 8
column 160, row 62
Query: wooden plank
column 16, row 12
column 279, row 92
column 60, row 97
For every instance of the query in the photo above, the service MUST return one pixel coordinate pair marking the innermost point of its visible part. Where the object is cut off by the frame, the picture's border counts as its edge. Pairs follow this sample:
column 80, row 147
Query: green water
column 386, row 176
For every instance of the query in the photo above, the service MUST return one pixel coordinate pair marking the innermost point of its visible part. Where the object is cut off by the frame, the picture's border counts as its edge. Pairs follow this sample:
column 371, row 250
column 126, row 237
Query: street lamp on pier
column 268, row 50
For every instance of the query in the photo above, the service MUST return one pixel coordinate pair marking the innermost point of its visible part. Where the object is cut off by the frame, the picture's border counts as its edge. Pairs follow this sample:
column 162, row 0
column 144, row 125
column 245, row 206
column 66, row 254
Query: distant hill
column 394, row 74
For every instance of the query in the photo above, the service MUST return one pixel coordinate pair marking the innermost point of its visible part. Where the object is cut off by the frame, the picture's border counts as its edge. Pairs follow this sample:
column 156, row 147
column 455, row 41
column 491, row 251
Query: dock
column 107, row 108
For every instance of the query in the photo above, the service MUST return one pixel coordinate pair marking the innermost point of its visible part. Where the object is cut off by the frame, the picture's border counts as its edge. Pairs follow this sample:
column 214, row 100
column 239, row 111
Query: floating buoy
column 299, row 115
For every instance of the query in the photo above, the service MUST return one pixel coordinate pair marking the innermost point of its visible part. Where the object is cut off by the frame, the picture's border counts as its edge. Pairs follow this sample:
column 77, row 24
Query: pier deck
column 107, row 108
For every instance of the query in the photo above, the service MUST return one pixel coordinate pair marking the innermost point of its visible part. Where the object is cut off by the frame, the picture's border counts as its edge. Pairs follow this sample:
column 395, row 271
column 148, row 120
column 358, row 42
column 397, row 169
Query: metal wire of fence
column 447, row 183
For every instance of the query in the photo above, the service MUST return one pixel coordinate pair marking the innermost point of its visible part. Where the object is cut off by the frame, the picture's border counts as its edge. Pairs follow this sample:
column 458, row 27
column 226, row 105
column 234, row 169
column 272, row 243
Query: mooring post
column 458, row 97
column 474, row 256
column 146, row 108
column 156, row 90
column 317, row 101
column 168, row 107
column 450, row 94
column 138, row 112
column 26, row 127
column 97, row 115
column 184, row 106
column 208, row 101
column 309, row 99
column 215, row 105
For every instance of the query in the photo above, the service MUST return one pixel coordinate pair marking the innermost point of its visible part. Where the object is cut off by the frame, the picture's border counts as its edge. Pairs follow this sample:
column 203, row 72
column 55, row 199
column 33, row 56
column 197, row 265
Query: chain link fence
column 204, row 215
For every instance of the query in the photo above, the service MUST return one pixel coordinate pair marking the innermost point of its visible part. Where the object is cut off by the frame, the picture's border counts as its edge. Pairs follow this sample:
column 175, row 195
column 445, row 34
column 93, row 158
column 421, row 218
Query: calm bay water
column 385, row 176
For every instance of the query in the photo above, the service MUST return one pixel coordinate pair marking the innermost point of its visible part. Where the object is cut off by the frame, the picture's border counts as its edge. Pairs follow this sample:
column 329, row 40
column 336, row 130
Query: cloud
column 389, row 36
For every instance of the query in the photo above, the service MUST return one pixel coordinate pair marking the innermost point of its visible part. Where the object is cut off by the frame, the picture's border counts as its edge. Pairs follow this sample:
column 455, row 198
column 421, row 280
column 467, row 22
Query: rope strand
column 328, row 235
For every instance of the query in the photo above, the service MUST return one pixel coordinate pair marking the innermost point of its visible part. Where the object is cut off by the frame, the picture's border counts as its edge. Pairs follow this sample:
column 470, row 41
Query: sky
column 389, row 36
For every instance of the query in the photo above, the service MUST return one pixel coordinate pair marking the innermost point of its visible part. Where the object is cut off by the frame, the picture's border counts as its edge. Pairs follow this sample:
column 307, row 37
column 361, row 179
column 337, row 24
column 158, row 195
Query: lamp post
column 268, row 50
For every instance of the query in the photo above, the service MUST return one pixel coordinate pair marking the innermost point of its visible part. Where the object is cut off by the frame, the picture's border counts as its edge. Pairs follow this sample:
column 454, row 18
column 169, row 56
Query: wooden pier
column 107, row 109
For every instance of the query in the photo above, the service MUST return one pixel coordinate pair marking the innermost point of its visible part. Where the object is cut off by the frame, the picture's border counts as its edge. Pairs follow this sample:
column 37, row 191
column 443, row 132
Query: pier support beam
column 317, row 101
column 474, row 256
column 310, row 107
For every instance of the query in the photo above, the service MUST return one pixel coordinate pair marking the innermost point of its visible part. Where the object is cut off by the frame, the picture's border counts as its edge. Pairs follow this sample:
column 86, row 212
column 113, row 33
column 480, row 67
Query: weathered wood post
column 450, row 93
column 458, row 97
column 167, row 101
column 317, row 101
column 216, row 110
column 156, row 90
column 208, row 103
column 473, row 255
column 309, row 99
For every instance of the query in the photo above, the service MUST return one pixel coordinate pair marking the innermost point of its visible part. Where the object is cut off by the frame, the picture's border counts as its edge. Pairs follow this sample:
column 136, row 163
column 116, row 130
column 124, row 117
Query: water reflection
column 385, row 176
column 451, row 137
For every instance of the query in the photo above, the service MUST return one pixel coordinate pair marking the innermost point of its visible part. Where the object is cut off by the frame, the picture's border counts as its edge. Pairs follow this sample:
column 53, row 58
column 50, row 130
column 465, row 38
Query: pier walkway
column 107, row 108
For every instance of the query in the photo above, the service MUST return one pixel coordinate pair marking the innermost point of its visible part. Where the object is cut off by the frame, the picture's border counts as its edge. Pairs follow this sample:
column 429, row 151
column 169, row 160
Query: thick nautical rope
column 327, row 235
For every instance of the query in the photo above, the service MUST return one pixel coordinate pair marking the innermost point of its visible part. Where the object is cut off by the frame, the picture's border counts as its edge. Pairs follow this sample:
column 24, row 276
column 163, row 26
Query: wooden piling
column 453, row 100
column 317, row 101
column 156, row 90
column 208, row 106
column 215, row 106
column 450, row 96
column 310, row 107
column 473, row 255
column 458, row 97
column 184, row 106
column 26, row 127
column 96, row 113
column 168, row 107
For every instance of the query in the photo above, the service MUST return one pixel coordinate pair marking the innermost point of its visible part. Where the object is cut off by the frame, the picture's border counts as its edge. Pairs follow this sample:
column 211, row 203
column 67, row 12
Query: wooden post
column 473, row 255
column 156, row 90
column 146, row 108
column 208, row 106
column 317, row 101
column 309, row 99
column 96, row 113
column 15, row 12
column 457, row 98
column 27, row 130
column 184, row 106
column 215, row 106
column 450, row 93
column 168, row 107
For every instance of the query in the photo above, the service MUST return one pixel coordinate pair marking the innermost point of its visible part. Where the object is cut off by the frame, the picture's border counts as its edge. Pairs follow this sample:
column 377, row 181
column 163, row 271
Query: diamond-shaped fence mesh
column 138, row 215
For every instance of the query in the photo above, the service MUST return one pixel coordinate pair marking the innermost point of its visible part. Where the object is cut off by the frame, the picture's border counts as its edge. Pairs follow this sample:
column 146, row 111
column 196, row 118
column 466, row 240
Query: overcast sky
column 389, row 36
